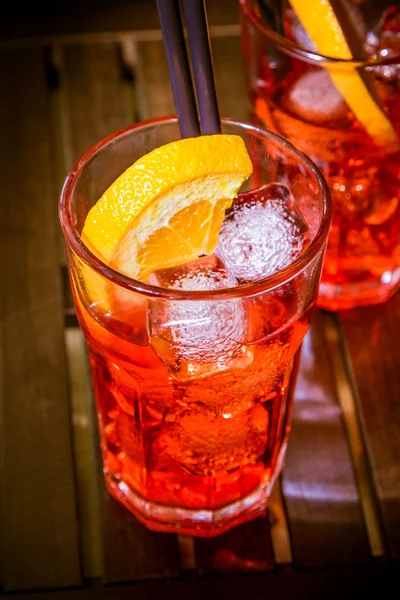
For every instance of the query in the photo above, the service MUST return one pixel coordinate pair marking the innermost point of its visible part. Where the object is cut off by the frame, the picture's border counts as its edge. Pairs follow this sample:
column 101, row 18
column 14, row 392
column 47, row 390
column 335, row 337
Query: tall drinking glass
column 318, row 103
column 193, row 388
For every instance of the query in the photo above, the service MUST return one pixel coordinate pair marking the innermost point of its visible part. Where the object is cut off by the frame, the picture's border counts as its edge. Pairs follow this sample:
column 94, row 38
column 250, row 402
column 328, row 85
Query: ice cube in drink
column 197, row 338
column 263, row 232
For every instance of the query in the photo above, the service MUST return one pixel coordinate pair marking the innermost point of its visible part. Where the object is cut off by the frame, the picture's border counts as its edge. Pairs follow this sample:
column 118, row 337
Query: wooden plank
column 358, row 582
column 247, row 547
column 130, row 551
column 155, row 93
column 229, row 77
column 96, row 105
column 323, row 506
column 355, row 438
column 95, row 95
column 85, row 460
column 154, row 87
column 279, row 528
column 371, row 336
column 38, row 493
column 186, row 547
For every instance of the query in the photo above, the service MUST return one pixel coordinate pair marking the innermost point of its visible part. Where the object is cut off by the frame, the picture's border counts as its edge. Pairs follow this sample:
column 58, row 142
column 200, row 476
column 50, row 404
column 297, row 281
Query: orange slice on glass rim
column 164, row 210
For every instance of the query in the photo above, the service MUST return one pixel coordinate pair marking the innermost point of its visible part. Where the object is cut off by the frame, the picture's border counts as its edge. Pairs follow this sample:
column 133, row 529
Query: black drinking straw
column 178, row 64
column 200, row 49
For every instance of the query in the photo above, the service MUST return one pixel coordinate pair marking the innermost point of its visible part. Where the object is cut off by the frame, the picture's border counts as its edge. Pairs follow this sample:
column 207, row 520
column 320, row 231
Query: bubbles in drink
column 366, row 195
column 197, row 338
column 263, row 232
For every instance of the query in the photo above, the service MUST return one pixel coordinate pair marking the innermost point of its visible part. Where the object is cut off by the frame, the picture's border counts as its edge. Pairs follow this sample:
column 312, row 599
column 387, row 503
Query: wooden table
column 334, row 519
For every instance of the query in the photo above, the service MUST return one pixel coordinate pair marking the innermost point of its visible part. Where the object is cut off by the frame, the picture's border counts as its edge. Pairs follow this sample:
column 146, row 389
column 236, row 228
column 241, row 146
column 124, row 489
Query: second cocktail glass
column 325, row 106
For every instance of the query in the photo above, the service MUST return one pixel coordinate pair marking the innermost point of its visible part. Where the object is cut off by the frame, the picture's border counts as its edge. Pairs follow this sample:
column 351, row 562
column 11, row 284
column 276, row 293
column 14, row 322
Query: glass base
column 201, row 523
column 196, row 522
column 337, row 297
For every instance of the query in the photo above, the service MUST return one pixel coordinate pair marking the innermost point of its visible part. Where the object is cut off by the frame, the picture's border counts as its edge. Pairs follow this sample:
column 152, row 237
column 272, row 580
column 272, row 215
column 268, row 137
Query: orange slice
column 320, row 22
column 168, row 207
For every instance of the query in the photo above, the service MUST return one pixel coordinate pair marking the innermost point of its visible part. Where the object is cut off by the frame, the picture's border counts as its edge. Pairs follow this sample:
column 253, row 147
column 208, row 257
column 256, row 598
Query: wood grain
column 278, row 525
column 94, row 84
column 228, row 68
column 96, row 105
column 371, row 336
column 84, row 451
column 155, row 97
column 154, row 87
column 130, row 551
column 355, row 441
column 38, row 493
column 323, row 506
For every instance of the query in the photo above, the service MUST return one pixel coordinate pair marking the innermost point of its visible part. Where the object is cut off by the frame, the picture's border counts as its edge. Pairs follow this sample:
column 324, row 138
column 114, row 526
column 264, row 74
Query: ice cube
column 263, row 232
column 262, row 380
column 208, row 445
column 314, row 98
column 197, row 338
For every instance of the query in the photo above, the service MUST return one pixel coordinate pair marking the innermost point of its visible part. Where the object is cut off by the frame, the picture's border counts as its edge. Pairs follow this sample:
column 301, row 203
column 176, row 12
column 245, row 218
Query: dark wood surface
column 321, row 495
column 371, row 336
column 247, row 547
column 94, row 91
column 335, row 526
column 40, row 544
column 357, row 582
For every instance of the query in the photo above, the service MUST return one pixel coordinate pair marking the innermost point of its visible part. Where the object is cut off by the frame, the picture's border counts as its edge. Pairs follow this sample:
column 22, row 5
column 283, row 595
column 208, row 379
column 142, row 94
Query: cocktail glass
column 295, row 91
column 194, row 388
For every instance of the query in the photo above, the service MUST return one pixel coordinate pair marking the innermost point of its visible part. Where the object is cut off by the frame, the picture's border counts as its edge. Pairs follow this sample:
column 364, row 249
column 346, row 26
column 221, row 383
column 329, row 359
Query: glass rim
column 270, row 282
column 298, row 51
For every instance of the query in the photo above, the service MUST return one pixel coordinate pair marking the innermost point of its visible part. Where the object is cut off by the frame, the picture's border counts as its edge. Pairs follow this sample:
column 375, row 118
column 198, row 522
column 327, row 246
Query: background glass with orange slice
column 326, row 75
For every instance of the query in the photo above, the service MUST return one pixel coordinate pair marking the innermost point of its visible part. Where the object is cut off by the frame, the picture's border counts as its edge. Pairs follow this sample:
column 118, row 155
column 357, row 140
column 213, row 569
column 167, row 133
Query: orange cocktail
column 329, row 82
column 194, row 362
